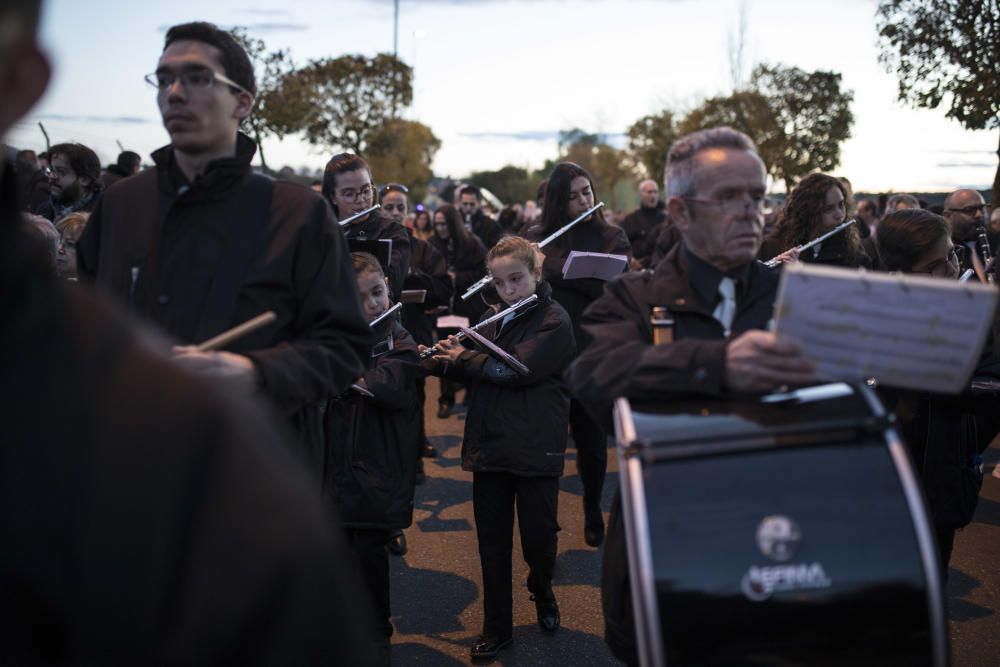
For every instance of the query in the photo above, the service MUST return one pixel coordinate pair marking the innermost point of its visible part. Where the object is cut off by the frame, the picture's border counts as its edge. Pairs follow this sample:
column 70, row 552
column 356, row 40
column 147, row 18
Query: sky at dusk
column 497, row 79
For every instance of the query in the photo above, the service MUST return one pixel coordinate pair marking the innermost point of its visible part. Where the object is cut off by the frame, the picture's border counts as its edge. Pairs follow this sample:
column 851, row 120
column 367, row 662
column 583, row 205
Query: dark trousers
column 591, row 454
column 368, row 547
column 494, row 495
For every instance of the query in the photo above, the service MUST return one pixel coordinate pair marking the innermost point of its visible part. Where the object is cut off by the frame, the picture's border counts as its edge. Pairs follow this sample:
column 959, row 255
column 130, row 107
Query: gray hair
column 894, row 201
column 678, row 176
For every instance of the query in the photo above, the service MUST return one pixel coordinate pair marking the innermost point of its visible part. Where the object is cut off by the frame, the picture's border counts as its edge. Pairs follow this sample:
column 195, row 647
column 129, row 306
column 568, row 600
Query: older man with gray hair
column 720, row 300
column 643, row 224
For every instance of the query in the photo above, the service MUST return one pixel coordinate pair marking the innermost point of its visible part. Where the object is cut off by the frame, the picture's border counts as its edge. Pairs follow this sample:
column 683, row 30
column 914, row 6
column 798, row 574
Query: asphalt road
column 436, row 587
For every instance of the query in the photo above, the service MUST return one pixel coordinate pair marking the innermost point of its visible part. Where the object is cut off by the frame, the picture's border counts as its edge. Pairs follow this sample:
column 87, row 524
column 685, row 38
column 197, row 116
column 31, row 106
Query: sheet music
column 913, row 332
column 593, row 265
column 496, row 352
column 452, row 322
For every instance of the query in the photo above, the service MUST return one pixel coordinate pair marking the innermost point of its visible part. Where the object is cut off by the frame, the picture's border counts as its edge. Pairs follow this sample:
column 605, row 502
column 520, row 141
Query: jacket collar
column 672, row 282
column 221, row 176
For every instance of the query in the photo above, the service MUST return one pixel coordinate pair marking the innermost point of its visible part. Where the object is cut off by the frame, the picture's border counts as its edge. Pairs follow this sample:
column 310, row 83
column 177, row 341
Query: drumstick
column 227, row 337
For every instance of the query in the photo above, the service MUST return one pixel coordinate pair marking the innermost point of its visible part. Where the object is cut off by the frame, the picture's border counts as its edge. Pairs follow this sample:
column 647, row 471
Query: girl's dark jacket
column 517, row 424
column 373, row 443
column 467, row 259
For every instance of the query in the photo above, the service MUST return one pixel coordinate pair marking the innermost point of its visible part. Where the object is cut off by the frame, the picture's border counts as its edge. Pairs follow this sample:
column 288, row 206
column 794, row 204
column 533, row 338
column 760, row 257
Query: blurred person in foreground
column 148, row 518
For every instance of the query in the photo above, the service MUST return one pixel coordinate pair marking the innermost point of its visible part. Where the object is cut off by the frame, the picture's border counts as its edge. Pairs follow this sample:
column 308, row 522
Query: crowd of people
column 186, row 504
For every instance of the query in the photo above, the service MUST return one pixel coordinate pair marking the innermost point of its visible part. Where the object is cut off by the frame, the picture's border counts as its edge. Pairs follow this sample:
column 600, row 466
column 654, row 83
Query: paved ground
column 436, row 587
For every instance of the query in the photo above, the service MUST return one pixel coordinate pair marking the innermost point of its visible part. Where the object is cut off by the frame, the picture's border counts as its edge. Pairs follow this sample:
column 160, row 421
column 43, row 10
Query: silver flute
column 485, row 280
column 771, row 263
column 517, row 307
column 381, row 318
column 354, row 217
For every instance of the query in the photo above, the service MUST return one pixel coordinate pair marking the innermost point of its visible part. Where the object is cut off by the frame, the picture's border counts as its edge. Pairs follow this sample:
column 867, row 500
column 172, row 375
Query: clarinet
column 984, row 248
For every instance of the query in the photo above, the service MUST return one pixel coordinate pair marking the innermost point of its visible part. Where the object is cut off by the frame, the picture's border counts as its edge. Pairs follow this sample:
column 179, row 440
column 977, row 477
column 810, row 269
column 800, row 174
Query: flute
column 485, row 280
column 354, row 217
column 523, row 303
column 378, row 320
column 771, row 263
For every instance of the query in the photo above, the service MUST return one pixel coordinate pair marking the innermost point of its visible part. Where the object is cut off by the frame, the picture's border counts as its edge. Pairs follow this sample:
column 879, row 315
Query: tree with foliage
column 349, row 99
column 607, row 165
column 649, row 139
column 946, row 52
column 798, row 119
column 272, row 114
column 401, row 151
column 509, row 183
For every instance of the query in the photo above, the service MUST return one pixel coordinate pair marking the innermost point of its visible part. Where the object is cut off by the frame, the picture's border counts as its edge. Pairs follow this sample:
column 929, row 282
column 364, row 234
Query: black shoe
column 428, row 451
column 444, row 410
column 397, row 543
column 593, row 528
column 548, row 613
column 488, row 647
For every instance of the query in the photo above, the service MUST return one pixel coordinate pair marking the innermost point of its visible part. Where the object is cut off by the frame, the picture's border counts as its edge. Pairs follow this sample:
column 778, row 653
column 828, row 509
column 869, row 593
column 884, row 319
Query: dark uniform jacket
column 516, row 423
column 428, row 271
column 148, row 518
column 592, row 235
column 467, row 259
column 161, row 254
column 486, row 228
column 622, row 361
column 641, row 227
column 380, row 227
column 374, row 443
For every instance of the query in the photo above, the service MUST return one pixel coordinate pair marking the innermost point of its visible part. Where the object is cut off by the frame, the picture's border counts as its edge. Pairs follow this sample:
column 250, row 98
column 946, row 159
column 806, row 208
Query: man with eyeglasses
column 966, row 211
column 74, row 181
column 201, row 243
column 476, row 221
column 720, row 300
column 348, row 186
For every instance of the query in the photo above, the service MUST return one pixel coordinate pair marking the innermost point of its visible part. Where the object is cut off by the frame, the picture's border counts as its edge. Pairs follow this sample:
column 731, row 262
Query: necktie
column 726, row 310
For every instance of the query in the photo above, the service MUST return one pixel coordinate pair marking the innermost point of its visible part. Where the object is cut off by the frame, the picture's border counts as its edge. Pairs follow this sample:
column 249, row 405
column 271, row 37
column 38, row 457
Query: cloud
column 133, row 120
column 258, row 27
column 264, row 12
column 535, row 135
column 966, row 165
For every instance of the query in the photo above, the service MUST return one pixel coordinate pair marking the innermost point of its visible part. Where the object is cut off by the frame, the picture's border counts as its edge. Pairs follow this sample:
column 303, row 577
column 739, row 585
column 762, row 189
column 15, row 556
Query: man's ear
column 679, row 213
column 24, row 76
column 244, row 105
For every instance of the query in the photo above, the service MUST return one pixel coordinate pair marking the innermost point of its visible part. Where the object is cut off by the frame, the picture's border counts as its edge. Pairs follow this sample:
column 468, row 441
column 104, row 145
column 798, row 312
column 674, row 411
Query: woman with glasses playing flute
column 348, row 186
column 817, row 205
column 569, row 193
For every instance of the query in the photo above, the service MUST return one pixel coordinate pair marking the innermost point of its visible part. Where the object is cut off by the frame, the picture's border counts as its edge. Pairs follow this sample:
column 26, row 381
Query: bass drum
column 788, row 530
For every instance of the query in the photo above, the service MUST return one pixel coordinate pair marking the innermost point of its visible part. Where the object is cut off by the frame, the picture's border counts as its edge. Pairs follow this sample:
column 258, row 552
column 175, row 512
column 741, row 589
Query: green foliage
column 649, row 139
column 510, row 184
column 401, row 151
column 348, row 99
column 946, row 52
column 607, row 165
column 798, row 119
column 271, row 115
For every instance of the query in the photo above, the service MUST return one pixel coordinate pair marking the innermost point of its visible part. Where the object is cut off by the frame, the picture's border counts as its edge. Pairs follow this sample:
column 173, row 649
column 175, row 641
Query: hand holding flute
column 793, row 254
column 448, row 350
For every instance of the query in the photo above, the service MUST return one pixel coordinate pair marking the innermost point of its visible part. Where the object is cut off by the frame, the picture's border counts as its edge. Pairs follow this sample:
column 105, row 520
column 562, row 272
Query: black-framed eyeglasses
column 968, row 210
column 392, row 187
column 192, row 78
column 350, row 194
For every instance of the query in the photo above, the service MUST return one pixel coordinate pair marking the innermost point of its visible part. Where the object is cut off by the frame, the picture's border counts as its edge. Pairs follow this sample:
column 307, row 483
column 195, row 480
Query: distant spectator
column 74, row 181
column 45, row 237
column 867, row 215
column 70, row 228
column 900, row 202
column 128, row 164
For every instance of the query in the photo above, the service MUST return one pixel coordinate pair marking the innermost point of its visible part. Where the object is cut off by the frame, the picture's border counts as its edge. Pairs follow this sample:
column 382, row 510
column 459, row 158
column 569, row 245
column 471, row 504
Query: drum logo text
column 759, row 583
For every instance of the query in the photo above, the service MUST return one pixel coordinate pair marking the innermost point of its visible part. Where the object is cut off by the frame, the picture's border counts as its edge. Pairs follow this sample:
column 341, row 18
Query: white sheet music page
column 913, row 332
column 593, row 265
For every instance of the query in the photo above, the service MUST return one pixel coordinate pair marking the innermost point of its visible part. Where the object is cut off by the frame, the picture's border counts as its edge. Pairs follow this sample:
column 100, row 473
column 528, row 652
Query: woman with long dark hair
column 466, row 258
column 569, row 192
column 815, row 206
column 945, row 434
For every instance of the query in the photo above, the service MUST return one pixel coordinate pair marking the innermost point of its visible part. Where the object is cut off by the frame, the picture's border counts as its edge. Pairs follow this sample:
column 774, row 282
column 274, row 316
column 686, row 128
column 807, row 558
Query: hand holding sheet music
column 593, row 265
column 913, row 332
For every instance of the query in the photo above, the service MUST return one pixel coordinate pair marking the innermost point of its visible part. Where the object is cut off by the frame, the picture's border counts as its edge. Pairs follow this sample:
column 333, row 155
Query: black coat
column 641, row 227
column 486, row 228
column 517, row 424
column 377, row 227
column 622, row 360
column 832, row 252
column 150, row 517
column 592, row 235
column 373, row 443
column 428, row 271
column 467, row 259
column 320, row 341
